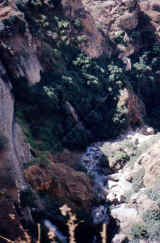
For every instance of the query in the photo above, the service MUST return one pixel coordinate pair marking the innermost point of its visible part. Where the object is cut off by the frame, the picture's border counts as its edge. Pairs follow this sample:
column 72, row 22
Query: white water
column 52, row 228
column 91, row 162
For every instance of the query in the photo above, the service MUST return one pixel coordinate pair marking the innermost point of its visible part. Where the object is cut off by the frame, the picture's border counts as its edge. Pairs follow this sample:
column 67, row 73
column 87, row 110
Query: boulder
column 120, row 238
column 126, row 216
column 62, row 183
column 136, row 108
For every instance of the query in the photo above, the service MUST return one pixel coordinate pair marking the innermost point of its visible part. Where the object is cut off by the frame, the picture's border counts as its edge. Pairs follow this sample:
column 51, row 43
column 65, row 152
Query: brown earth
column 62, row 183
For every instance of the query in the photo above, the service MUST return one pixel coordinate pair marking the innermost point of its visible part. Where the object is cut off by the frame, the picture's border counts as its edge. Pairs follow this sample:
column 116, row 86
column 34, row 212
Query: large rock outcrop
column 63, row 184
column 95, row 42
column 17, row 153
column 133, row 107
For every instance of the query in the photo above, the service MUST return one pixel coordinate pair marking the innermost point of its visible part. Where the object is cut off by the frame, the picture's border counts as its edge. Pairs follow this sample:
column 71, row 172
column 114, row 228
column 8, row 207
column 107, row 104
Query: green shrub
column 119, row 37
column 154, row 194
column 138, row 180
column 151, row 215
column 150, row 229
column 138, row 231
column 120, row 158
column 90, row 85
column 152, row 221
column 41, row 159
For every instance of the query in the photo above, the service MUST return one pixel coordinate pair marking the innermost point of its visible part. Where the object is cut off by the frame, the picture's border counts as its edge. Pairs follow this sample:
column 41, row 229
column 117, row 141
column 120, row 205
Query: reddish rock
column 135, row 107
column 95, row 43
column 62, row 183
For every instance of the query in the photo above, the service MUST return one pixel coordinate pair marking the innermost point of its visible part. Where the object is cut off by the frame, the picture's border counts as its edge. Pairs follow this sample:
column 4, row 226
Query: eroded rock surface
column 9, row 129
column 63, row 184
column 95, row 41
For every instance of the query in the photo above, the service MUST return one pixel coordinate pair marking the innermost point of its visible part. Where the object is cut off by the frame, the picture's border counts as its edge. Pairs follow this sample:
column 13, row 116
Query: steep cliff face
column 116, row 18
column 21, row 57
column 96, row 43
column 17, row 151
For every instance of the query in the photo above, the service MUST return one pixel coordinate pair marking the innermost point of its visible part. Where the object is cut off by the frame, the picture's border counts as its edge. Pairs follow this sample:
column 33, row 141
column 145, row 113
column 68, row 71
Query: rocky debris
column 62, row 183
column 126, row 188
column 126, row 216
column 148, row 130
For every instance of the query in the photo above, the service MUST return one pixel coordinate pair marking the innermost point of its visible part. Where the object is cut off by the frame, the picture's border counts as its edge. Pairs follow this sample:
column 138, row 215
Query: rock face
column 95, row 41
column 17, row 153
column 24, row 62
column 113, row 16
column 151, row 10
column 20, row 58
column 135, row 109
column 63, row 184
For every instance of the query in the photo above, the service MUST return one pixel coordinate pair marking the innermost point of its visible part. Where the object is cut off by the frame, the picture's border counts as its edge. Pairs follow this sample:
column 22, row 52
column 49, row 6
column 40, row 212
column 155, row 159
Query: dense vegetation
column 144, row 78
column 91, row 86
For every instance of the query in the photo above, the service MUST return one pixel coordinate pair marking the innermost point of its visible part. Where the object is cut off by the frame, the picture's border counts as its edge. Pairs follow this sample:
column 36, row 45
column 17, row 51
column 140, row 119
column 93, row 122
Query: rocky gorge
column 79, row 121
